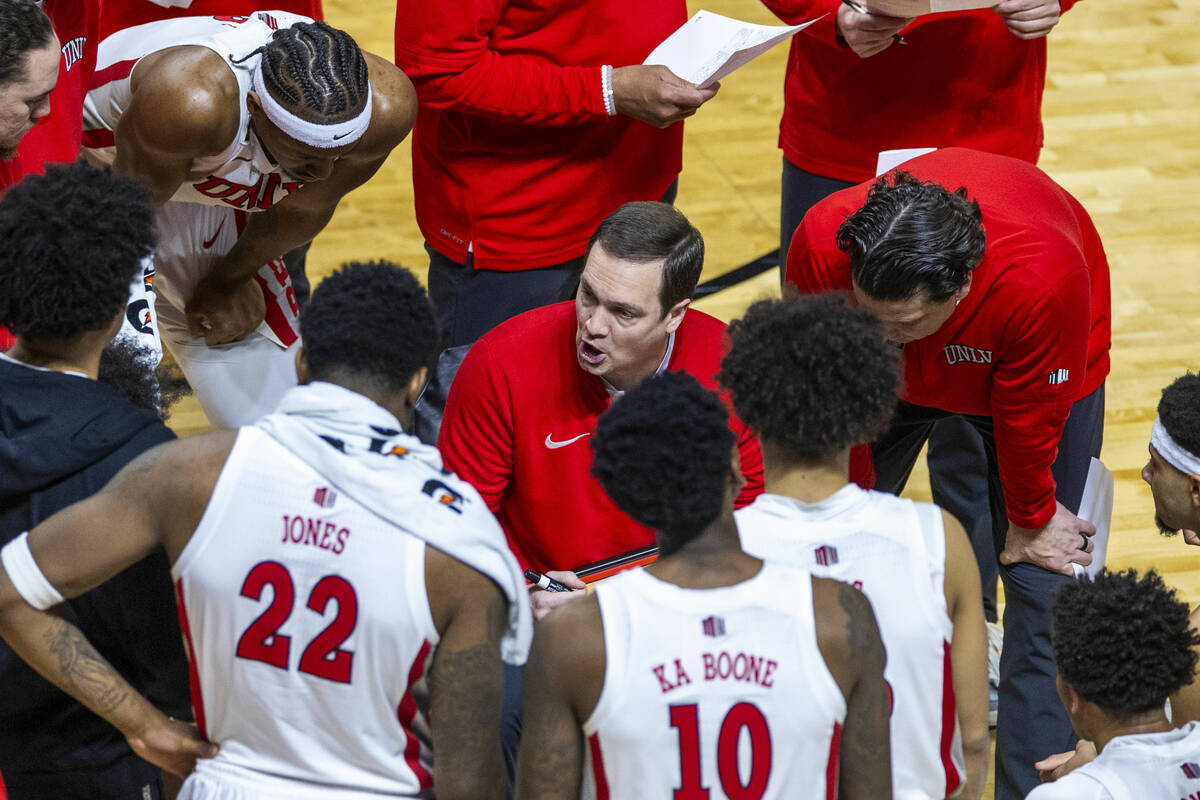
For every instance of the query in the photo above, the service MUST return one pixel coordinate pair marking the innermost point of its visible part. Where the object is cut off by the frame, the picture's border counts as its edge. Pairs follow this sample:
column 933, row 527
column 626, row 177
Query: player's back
column 894, row 551
column 309, row 628
column 713, row 692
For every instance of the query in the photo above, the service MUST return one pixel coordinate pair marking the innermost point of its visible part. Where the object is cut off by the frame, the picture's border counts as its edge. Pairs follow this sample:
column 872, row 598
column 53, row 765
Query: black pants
column 1032, row 722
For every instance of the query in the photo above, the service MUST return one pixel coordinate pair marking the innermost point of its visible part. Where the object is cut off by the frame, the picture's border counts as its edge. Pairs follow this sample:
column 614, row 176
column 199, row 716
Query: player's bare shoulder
column 393, row 107
column 186, row 99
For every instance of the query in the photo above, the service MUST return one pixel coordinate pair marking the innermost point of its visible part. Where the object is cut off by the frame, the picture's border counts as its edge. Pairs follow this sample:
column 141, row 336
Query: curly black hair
column 369, row 322
column 23, row 27
column 128, row 369
column 1123, row 642
column 70, row 243
column 913, row 236
column 317, row 71
column 663, row 454
column 811, row 374
column 1179, row 411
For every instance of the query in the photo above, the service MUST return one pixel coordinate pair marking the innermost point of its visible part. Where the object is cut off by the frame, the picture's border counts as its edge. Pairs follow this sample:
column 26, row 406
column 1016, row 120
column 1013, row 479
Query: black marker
column 545, row 582
column 854, row 5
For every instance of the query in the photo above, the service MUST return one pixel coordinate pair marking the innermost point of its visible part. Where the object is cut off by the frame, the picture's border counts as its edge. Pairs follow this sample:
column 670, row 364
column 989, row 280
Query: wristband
column 27, row 578
column 610, row 104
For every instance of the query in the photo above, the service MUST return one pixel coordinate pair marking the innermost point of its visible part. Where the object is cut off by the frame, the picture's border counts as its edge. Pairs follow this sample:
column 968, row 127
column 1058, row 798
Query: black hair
column 316, row 71
column 129, row 370
column 70, row 243
column 1123, row 642
column 911, row 237
column 23, row 27
column 811, row 374
column 1179, row 411
column 663, row 452
column 369, row 323
column 650, row 231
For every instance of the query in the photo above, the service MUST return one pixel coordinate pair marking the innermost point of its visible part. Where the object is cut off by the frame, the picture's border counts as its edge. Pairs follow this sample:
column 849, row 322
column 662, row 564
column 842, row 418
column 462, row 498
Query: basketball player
column 310, row 600
column 1122, row 645
column 249, row 129
column 710, row 670
column 815, row 377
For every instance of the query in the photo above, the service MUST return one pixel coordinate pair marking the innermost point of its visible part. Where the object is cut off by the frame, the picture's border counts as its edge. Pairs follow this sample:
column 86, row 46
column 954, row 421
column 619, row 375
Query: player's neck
column 807, row 481
column 1152, row 722
column 71, row 357
column 714, row 558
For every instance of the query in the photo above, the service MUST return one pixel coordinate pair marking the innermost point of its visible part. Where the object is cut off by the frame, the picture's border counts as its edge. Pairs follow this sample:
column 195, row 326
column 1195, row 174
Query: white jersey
column 241, row 176
column 894, row 550
column 1146, row 766
column 309, row 631
column 714, row 692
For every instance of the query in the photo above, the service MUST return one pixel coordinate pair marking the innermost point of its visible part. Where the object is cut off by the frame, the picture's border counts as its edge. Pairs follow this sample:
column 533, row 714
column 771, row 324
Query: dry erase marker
column 545, row 582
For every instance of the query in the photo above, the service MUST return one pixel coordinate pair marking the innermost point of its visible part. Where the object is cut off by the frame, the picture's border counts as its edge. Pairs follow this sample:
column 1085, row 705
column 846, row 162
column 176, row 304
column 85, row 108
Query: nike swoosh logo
column 553, row 445
column 213, row 240
column 343, row 136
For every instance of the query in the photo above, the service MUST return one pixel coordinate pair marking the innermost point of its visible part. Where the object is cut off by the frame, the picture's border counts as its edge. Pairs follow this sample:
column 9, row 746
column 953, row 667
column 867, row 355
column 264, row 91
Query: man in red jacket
column 1012, row 335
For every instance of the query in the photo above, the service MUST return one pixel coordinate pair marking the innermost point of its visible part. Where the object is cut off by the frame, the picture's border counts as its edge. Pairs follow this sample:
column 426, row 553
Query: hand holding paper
column 656, row 96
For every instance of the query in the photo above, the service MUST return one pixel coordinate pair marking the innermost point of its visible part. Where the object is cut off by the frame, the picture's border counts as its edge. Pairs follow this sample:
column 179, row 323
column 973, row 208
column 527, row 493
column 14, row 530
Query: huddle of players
column 710, row 668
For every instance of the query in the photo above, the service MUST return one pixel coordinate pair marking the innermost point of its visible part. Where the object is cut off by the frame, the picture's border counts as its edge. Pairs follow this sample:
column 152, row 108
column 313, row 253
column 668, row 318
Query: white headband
column 313, row 134
column 1176, row 456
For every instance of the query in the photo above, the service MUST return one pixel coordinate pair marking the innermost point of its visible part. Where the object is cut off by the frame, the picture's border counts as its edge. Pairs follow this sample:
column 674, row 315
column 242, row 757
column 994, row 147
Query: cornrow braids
column 317, row 71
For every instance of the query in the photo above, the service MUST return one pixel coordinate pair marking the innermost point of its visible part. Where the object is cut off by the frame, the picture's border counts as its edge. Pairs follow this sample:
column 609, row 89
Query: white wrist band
column 610, row 104
column 26, row 576
column 1172, row 453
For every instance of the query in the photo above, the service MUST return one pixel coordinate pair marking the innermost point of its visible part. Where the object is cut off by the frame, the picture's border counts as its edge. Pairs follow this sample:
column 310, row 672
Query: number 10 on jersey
column 686, row 719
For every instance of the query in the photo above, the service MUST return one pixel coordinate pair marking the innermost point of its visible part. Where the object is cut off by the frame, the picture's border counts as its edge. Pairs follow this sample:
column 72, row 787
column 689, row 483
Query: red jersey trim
column 193, row 673
column 99, row 138
column 113, row 72
column 406, row 712
column 598, row 774
column 949, row 722
column 831, row 768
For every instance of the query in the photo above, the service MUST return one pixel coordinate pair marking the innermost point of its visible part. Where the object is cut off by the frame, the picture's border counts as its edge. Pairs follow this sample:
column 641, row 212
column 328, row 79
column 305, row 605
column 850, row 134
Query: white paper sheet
column 709, row 46
column 890, row 159
column 1096, row 507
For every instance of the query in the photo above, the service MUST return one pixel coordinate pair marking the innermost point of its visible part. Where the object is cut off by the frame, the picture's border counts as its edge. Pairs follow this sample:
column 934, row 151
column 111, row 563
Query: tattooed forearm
column 866, row 741
column 860, row 624
column 83, row 671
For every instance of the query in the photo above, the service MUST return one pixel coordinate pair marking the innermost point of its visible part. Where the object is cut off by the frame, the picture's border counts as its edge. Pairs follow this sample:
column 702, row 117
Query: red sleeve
column 443, row 48
column 1036, row 380
column 794, row 12
column 814, row 264
column 476, row 435
column 752, row 465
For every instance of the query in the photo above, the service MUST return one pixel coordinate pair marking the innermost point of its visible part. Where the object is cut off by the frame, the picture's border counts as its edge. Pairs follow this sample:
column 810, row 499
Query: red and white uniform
column 514, row 157
column 517, row 423
column 1029, row 339
column 713, row 692
column 116, row 16
column 963, row 79
column 894, row 550
column 308, row 627
column 1136, row 766
column 235, row 384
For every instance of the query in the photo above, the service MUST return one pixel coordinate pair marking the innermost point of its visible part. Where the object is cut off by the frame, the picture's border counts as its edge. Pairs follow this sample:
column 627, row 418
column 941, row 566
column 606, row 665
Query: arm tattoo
column 84, row 672
column 867, row 715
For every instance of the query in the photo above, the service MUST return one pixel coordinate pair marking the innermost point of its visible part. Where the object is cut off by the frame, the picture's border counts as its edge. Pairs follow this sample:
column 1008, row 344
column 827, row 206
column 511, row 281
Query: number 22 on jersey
column 323, row 656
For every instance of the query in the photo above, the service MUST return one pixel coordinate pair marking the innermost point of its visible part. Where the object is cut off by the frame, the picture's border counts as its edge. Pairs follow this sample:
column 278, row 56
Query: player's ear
column 416, row 385
column 1194, row 486
column 302, row 375
column 736, row 478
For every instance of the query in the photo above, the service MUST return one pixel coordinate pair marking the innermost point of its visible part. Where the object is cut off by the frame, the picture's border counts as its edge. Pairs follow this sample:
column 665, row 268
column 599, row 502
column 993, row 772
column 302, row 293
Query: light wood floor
column 1122, row 122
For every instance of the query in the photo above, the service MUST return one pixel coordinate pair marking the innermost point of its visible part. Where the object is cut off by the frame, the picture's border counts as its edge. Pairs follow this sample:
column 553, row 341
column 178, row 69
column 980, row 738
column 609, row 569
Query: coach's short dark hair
column 1179, row 411
column 663, row 453
column 650, row 231
column 70, row 243
column 23, row 27
column 316, row 71
column 811, row 374
column 1123, row 642
column 371, row 323
column 911, row 237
